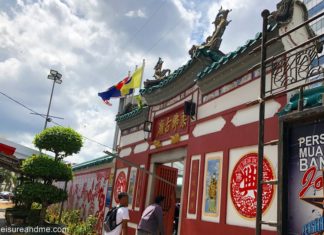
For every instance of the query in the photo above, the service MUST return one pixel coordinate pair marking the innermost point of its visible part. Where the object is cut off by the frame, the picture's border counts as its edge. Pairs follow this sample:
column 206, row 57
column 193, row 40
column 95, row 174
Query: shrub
column 62, row 141
column 41, row 193
column 46, row 168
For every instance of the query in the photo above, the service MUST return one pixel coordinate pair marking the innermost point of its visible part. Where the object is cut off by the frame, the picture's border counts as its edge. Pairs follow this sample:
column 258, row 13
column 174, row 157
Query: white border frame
column 216, row 156
column 193, row 158
column 130, row 203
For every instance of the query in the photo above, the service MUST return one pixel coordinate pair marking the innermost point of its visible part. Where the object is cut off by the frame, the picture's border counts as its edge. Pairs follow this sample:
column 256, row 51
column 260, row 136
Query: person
column 176, row 218
column 151, row 222
column 122, row 216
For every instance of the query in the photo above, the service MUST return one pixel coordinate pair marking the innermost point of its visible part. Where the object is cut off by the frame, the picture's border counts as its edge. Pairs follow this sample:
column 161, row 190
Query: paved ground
column 2, row 217
column 3, row 205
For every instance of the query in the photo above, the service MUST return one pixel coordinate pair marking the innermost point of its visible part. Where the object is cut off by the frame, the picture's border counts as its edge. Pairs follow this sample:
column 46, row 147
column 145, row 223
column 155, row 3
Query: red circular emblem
column 244, row 185
column 120, row 185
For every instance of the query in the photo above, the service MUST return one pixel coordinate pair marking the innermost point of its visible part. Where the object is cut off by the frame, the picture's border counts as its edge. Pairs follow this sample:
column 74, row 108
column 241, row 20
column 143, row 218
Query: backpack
column 110, row 220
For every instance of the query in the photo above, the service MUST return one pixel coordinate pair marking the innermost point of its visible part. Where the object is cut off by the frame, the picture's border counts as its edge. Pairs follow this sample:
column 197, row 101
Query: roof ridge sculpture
column 213, row 41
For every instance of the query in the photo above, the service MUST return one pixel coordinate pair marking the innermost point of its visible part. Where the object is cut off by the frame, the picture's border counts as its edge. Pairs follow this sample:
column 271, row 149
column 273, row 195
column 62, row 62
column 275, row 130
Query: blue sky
column 94, row 44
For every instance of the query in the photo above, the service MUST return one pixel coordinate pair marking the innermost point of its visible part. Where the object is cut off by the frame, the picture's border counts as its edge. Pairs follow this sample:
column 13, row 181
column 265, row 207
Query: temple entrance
column 173, row 173
column 169, row 192
column 170, row 166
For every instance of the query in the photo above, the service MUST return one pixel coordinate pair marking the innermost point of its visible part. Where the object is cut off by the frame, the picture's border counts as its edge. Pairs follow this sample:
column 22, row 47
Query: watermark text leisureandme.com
column 37, row 229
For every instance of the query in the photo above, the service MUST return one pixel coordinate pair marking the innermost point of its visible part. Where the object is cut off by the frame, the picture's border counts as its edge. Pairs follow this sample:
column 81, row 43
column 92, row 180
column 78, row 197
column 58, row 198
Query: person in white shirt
column 122, row 216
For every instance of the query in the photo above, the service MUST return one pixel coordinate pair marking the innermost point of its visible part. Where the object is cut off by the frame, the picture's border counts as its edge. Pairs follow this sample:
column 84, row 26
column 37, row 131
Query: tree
column 62, row 141
column 43, row 170
column 7, row 179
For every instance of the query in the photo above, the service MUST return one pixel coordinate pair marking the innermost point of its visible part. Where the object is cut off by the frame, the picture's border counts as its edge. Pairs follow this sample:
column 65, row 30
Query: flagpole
column 121, row 106
column 134, row 88
column 127, row 96
column 143, row 66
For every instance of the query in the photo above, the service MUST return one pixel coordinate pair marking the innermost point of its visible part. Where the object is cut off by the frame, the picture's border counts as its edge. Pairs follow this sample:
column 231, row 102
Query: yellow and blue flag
column 134, row 82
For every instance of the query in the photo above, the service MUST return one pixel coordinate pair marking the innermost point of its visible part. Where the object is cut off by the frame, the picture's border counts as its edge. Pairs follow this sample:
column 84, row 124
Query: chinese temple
column 195, row 138
column 198, row 130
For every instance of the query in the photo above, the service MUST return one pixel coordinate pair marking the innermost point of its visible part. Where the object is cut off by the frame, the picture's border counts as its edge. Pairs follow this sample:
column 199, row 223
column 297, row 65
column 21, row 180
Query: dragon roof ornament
column 213, row 42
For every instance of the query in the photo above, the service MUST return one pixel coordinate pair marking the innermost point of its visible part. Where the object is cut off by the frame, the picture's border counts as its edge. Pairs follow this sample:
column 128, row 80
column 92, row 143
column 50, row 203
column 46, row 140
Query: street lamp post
column 57, row 78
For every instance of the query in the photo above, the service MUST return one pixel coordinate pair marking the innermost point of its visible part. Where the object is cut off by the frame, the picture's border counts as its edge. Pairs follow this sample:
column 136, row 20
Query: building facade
column 198, row 133
column 316, row 7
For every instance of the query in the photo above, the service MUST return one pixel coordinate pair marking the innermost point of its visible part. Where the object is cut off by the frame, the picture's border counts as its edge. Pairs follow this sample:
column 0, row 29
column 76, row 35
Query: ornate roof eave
column 181, row 79
column 135, row 117
column 234, row 64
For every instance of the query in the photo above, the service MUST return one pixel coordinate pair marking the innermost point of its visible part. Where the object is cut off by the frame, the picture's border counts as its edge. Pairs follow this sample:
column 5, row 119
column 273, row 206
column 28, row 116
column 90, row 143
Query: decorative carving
column 175, row 138
column 157, row 144
column 284, row 11
column 213, row 42
column 128, row 108
column 159, row 73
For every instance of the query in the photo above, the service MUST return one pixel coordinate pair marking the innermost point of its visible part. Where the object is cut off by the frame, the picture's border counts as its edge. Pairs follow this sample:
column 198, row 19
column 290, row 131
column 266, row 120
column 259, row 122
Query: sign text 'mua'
column 311, row 149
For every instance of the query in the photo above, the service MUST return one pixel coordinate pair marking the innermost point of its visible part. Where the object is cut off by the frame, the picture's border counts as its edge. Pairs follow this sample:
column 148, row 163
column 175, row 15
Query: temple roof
column 212, row 55
column 232, row 55
column 94, row 162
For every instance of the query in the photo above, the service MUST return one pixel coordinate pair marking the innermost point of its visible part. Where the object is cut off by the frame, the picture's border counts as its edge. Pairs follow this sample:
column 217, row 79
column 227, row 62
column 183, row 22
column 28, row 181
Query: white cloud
column 94, row 44
column 246, row 20
column 138, row 13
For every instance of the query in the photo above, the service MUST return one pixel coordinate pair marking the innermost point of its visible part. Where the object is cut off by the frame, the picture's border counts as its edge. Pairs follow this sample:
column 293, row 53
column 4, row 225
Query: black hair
column 121, row 195
column 159, row 199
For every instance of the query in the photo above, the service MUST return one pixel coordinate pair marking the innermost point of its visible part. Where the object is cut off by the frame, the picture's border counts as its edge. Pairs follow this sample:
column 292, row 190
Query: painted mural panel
column 131, row 186
column 120, row 184
column 87, row 192
column 305, row 148
column 242, row 186
column 193, row 187
column 212, row 187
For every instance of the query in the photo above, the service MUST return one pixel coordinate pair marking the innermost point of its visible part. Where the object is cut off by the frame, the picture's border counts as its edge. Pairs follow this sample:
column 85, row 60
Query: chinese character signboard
column 139, row 188
column 172, row 123
column 120, row 183
column 244, row 185
column 303, row 177
column 193, row 187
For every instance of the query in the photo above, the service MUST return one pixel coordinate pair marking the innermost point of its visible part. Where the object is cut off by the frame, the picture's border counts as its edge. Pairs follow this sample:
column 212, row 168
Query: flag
column 113, row 91
column 134, row 82
column 138, row 98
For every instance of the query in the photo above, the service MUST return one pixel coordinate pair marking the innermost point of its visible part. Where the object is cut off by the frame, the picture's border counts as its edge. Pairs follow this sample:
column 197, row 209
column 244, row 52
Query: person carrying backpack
column 116, row 219
column 151, row 222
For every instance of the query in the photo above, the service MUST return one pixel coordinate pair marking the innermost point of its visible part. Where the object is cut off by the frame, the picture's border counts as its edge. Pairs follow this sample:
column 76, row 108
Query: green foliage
column 30, row 192
column 62, row 141
column 46, row 168
column 71, row 217
column 87, row 227
column 36, row 206
column 76, row 226
column 72, row 220
column 52, row 213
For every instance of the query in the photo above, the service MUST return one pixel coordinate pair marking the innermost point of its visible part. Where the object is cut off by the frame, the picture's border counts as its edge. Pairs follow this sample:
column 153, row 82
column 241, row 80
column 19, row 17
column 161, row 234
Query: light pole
column 57, row 78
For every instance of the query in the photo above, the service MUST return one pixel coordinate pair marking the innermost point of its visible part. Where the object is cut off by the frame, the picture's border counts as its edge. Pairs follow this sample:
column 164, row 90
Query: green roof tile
column 94, row 162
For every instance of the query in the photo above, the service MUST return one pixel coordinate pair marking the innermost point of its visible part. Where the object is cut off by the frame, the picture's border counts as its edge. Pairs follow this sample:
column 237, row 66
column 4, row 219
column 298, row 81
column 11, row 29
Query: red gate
column 169, row 192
